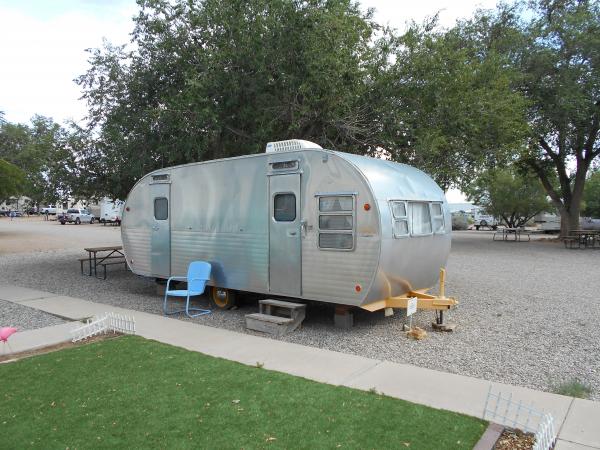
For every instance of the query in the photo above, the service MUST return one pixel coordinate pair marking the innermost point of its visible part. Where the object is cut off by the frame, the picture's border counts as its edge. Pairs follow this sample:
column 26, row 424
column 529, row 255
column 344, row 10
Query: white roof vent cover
column 289, row 145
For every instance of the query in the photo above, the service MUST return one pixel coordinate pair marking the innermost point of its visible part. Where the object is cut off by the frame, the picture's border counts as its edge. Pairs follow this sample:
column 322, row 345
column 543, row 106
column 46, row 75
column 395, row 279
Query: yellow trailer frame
column 424, row 300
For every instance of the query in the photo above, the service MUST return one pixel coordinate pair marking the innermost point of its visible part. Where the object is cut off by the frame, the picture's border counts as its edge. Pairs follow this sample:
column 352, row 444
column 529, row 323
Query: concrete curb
column 490, row 437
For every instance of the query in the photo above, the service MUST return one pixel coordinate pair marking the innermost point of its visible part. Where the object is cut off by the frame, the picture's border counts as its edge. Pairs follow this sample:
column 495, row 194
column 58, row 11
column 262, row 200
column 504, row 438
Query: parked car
column 76, row 216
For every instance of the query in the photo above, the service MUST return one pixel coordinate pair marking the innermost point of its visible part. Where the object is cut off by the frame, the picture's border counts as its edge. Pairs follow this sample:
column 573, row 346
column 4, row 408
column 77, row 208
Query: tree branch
column 561, row 170
column 545, row 182
column 591, row 139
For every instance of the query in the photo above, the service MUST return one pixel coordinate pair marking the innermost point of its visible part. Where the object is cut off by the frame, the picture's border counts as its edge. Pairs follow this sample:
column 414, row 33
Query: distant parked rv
column 548, row 222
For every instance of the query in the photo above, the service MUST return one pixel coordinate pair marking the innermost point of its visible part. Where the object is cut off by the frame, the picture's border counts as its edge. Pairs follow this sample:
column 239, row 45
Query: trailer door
column 285, row 264
column 161, row 230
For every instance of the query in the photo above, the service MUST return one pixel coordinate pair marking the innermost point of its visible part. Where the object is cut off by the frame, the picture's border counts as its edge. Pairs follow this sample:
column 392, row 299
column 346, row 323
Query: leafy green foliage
column 134, row 393
column 557, row 52
column 213, row 79
column 508, row 194
column 12, row 180
column 591, row 196
column 42, row 152
column 457, row 108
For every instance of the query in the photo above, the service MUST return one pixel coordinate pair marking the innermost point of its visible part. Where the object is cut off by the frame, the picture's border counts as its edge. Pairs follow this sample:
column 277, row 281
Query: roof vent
column 289, row 145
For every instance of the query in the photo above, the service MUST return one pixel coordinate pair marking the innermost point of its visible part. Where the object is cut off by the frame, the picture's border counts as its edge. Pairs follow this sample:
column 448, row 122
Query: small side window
column 284, row 207
column 336, row 204
column 437, row 215
column 400, row 216
column 161, row 208
column 337, row 222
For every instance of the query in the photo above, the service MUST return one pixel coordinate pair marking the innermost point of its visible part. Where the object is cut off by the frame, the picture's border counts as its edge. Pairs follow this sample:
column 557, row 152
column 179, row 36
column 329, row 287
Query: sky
column 43, row 43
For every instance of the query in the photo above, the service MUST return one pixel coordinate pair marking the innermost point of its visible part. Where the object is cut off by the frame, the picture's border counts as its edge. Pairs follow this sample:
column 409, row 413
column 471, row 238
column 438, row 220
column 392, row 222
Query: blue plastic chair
column 197, row 276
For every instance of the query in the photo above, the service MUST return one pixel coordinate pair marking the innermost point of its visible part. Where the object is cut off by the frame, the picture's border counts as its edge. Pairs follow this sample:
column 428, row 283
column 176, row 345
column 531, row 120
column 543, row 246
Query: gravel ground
column 528, row 313
column 25, row 318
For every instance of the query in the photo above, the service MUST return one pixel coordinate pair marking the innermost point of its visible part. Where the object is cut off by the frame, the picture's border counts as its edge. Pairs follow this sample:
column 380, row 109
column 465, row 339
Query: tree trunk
column 569, row 216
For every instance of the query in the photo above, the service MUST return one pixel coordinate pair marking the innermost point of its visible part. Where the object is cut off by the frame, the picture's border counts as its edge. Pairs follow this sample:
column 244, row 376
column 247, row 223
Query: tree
column 561, row 64
column 456, row 108
column 39, row 150
column 12, row 180
column 591, row 195
column 506, row 193
column 216, row 79
column 555, row 46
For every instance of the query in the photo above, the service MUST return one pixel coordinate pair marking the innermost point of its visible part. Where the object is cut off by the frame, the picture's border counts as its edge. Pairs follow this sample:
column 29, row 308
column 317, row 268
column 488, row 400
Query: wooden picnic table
column 514, row 233
column 103, row 256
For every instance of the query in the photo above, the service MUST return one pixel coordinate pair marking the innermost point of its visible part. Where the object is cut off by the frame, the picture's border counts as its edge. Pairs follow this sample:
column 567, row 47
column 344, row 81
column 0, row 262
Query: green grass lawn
column 135, row 393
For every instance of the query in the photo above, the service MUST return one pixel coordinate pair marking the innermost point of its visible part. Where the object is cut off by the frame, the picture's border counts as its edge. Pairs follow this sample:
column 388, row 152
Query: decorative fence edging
column 108, row 322
column 506, row 411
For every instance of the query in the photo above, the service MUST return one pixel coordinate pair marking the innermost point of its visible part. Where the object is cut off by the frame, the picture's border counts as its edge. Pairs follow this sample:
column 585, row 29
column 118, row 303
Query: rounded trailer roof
column 394, row 180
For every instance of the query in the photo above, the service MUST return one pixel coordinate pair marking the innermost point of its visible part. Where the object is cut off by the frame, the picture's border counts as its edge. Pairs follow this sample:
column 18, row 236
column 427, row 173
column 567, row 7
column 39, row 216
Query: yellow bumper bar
column 424, row 300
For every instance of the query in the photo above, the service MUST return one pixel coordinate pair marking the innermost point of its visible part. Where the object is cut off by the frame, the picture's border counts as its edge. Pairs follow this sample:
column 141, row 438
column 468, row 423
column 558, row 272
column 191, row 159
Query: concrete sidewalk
column 577, row 421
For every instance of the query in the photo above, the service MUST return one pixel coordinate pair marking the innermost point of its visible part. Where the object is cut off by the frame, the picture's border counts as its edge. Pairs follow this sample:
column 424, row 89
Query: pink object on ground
column 6, row 332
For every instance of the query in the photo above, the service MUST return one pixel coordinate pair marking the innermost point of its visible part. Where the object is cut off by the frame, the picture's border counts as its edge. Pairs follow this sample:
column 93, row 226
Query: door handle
column 291, row 233
column 303, row 227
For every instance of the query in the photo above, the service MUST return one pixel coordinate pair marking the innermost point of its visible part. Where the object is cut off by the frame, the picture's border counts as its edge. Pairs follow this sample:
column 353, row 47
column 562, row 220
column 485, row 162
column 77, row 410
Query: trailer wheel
column 223, row 298
column 77, row 221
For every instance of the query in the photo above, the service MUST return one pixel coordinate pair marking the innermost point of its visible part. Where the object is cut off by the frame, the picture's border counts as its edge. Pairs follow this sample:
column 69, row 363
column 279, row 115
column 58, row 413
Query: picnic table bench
column 511, row 234
column 102, row 256
column 583, row 239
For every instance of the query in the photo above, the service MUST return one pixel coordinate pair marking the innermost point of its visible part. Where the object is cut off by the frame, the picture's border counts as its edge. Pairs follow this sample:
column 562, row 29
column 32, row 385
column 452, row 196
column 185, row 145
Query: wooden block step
column 268, row 318
column 281, row 303
column 275, row 325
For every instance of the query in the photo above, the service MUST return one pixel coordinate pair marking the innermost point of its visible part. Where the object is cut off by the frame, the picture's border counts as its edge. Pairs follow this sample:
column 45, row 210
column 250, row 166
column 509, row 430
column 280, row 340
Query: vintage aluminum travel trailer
column 296, row 221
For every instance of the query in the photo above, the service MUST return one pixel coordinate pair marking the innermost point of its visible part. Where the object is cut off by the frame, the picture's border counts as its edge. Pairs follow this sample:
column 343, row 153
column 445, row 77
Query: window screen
column 400, row 216
column 161, row 208
column 340, row 241
column 437, row 215
column 284, row 207
column 420, row 218
column 335, row 204
column 336, row 222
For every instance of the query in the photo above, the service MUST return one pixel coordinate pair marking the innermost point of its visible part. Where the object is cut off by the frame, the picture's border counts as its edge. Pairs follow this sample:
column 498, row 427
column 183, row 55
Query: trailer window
column 420, row 218
column 437, row 215
column 340, row 241
column 336, row 222
column 284, row 207
column 161, row 208
column 335, row 204
column 400, row 219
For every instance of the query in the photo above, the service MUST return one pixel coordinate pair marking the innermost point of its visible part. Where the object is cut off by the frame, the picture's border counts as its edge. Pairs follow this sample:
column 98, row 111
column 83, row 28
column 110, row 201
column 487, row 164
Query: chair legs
column 186, row 310
column 201, row 311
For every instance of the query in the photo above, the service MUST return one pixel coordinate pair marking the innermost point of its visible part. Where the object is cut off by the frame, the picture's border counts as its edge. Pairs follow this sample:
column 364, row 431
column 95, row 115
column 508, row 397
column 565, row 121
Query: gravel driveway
column 528, row 314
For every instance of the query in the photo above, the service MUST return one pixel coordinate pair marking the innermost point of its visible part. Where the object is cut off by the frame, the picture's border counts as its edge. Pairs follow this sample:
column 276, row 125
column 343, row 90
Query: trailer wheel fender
column 223, row 298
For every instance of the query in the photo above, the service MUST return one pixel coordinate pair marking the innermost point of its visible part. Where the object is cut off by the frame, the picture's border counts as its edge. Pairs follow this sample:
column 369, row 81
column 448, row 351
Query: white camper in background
column 481, row 220
column 547, row 222
column 111, row 211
